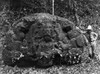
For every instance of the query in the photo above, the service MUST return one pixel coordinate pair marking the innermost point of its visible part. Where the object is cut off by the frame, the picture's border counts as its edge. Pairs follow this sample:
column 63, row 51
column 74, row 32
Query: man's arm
column 80, row 30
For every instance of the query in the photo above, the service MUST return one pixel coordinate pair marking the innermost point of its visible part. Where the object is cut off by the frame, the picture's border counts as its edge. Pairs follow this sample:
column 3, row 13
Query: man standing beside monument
column 92, row 38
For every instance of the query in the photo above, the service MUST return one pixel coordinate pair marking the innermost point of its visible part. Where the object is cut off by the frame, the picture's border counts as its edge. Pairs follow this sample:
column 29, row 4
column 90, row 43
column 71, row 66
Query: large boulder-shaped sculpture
column 44, row 39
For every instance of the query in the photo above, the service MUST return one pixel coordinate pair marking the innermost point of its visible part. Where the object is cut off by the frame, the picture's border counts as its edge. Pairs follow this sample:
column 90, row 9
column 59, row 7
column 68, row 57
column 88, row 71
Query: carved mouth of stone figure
column 46, row 38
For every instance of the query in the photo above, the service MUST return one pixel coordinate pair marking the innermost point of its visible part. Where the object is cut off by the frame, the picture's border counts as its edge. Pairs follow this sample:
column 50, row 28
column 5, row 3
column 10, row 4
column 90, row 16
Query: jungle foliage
column 81, row 12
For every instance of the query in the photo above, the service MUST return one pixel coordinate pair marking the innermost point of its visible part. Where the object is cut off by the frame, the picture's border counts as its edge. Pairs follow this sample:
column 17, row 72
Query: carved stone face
column 44, row 31
column 44, row 35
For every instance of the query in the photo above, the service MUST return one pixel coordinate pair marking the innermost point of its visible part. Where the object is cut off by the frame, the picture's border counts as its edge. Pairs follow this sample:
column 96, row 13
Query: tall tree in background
column 53, row 9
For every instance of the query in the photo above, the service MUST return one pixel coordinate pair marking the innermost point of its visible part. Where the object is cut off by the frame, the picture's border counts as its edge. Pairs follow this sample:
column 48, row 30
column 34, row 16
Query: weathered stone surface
column 39, row 37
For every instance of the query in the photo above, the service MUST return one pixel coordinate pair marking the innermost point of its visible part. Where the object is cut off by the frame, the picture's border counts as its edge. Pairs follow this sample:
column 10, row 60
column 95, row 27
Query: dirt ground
column 92, row 67
column 89, row 68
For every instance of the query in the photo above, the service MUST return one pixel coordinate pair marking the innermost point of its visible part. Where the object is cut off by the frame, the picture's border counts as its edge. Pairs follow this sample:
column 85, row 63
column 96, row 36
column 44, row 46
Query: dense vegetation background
column 81, row 12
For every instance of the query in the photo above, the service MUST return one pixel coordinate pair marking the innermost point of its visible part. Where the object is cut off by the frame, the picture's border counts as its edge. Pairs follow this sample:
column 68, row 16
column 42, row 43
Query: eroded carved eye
column 66, row 29
column 39, row 25
column 24, row 30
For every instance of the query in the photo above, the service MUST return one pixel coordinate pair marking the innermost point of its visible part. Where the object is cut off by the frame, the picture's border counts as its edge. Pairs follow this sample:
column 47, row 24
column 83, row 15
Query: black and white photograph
column 49, row 36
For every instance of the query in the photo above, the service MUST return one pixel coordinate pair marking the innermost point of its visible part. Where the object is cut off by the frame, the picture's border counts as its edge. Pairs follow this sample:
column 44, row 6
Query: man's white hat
column 89, row 27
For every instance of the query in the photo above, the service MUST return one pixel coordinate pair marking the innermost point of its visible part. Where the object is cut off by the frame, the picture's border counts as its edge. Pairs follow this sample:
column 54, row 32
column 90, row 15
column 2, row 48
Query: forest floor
column 92, row 67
